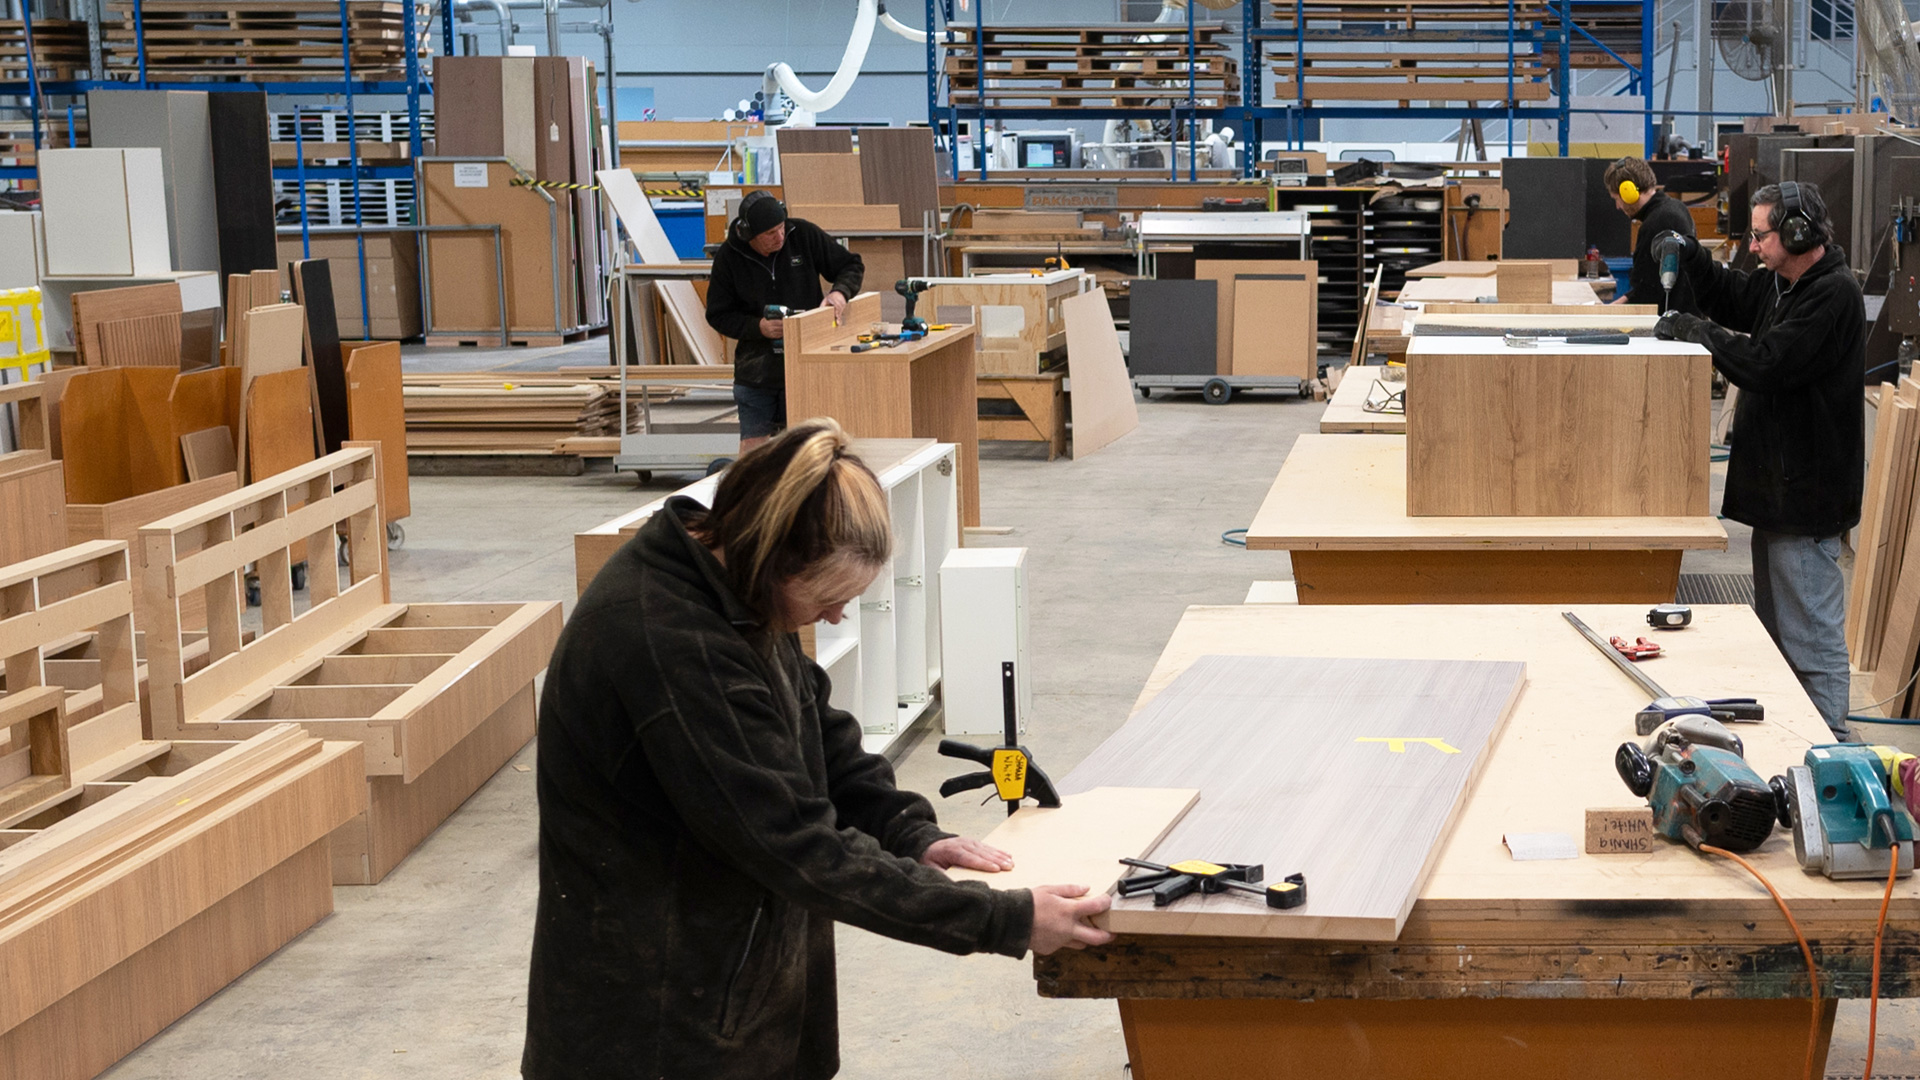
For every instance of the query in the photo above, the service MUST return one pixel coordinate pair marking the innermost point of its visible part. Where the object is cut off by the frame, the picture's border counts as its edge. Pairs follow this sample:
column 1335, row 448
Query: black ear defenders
column 1799, row 233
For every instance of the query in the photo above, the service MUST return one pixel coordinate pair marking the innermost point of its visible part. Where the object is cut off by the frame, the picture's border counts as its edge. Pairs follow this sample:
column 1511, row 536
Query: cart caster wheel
column 1306, row 390
column 299, row 576
column 718, row 464
column 1216, row 392
column 340, row 550
column 643, row 476
column 396, row 539
column 1146, row 391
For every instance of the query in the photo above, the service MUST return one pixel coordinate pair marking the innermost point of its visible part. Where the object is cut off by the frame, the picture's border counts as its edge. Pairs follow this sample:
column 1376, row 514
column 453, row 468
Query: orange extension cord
column 1879, row 932
column 1813, row 972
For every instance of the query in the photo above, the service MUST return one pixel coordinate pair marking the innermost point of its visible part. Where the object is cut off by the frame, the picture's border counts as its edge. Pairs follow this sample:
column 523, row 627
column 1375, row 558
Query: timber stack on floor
column 484, row 413
column 439, row 695
column 137, row 876
column 1123, row 66
column 1883, row 603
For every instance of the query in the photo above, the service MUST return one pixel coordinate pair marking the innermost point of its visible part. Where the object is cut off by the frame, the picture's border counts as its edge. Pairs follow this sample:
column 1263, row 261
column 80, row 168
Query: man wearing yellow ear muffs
column 1631, row 183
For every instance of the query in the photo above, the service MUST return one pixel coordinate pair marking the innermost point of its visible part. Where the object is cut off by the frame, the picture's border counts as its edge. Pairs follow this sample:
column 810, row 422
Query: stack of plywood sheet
column 439, row 695
column 137, row 876
column 481, row 413
column 1883, row 604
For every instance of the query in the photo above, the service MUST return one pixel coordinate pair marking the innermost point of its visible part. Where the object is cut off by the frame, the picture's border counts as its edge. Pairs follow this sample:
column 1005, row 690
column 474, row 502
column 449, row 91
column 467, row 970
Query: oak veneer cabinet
column 923, row 389
column 439, row 696
column 884, row 656
column 1586, row 967
column 1339, row 507
column 1557, row 430
column 149, row 873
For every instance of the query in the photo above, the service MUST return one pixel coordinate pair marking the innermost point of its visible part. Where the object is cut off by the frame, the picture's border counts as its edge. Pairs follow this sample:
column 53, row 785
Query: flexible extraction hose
column 782, row 76
column 944, row 37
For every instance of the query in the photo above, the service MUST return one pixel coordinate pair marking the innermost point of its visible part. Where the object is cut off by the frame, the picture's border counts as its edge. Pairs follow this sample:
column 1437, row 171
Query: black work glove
column 1671, row 242
column 1678, row 326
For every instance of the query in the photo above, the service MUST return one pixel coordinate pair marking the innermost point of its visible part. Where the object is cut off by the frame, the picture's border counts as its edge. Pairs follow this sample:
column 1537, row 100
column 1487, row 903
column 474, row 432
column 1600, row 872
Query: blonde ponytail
column 792, row 505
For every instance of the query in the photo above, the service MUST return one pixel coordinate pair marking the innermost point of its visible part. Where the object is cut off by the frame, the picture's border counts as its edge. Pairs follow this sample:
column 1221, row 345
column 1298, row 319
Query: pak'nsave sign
column 1073, row 197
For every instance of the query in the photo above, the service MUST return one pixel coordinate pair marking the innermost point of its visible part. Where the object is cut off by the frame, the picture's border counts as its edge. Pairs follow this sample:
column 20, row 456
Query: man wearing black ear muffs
column 1792, row 336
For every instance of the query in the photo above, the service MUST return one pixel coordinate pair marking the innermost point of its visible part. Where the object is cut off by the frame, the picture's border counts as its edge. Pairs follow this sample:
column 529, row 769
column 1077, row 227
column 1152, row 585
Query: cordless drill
column 1668, row 247
column 912, row 326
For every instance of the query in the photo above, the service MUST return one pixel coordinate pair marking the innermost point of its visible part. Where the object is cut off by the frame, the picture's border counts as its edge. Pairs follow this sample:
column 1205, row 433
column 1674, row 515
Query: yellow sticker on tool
column 1010, row 774
column 1196, row 866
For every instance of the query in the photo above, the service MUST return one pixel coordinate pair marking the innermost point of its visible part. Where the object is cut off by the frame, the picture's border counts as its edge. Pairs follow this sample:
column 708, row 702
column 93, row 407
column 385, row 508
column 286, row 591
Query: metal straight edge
column 1607, row 650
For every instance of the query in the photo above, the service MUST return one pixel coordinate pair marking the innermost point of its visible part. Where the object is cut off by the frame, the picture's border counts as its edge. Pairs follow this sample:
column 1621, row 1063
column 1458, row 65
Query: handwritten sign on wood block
column 1350, row 771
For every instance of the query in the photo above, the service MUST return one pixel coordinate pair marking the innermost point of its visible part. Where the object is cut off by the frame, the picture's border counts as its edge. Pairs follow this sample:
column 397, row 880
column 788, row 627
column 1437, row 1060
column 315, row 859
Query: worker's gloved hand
column 1674, row 243
column 1678, row 326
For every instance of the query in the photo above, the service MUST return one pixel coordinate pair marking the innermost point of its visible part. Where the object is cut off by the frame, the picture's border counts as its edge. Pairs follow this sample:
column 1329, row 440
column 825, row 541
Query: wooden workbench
column 1616, row 965
column 923, row 389
column 1469, row 289
column 1339, row 505
column 1346, row 413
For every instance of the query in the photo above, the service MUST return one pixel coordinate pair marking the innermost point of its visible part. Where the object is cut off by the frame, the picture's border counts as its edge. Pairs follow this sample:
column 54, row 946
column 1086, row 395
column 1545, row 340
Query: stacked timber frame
column 137, row 876
column 439, row 695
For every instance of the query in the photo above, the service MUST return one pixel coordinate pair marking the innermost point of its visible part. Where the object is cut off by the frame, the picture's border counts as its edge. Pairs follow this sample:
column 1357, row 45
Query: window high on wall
column 1830, row 20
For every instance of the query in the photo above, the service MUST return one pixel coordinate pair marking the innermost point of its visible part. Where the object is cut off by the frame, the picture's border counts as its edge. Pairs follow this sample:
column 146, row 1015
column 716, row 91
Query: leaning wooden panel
column 1558, row 430
column 428, row 690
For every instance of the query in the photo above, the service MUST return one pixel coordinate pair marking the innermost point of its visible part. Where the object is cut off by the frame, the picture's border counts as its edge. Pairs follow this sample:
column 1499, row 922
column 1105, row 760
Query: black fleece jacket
column 705, row 817
column 744, row 283
column 1660, row 214
column 1798, row 354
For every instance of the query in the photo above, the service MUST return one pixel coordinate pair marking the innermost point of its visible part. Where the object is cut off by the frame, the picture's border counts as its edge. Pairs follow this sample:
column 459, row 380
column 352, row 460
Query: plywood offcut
column 1351, row 771
column 1276, row 321
column 1524, row 283
column 635, row 212
column 279, row 424
column 821, row 178
column 142, row 341
column 1103, row 406
column 1081, row 841
column 376, row 412
column 95, row 306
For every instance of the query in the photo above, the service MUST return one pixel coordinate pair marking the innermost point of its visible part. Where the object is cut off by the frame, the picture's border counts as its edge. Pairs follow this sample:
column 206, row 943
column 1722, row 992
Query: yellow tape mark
column 1399, row 746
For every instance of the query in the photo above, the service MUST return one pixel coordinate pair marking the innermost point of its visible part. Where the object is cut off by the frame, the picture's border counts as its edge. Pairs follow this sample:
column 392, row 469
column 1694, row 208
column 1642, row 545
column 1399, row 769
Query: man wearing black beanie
column 769, row 258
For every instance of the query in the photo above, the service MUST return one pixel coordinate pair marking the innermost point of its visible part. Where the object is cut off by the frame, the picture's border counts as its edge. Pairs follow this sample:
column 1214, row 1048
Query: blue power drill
column 1668, row 247
column 1839, row 805
column 1693, row 772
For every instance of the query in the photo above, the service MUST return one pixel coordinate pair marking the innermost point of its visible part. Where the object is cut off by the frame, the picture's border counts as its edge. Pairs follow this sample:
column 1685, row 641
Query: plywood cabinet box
column 1016, row 317
column 141, row 875
column 439, row 696
column 1557, row 430
column 884, row 656
column 104, row 212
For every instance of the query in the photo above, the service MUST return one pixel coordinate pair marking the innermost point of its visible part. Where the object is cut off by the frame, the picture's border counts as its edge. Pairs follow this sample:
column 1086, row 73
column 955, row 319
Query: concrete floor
column 424, row 975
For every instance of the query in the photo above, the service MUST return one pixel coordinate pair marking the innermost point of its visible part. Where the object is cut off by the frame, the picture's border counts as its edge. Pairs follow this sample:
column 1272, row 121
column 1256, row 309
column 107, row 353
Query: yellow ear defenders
column 1629, row 192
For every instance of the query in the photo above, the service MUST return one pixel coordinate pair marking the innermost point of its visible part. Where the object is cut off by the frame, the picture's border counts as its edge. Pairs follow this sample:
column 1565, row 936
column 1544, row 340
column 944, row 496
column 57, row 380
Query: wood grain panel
column 1524, row 283
column 143, row 341
column 1276, row 321
column 1488, row 575
column 807, row 179
column 206, row 399
column 279, row 423
column 897, row 166
column 1300, row 769
column 818, row 140
column 117, row 430
column 376, row 412
column 33, row 506
column 94, row 306
column 1613, row 431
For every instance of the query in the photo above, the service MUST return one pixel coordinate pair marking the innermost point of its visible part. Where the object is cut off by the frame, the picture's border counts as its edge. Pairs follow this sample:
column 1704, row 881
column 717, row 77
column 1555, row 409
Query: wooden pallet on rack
column 440, row 696
column 263, row 39
column 59, row 49
column 142, row 875
column 1130, row 65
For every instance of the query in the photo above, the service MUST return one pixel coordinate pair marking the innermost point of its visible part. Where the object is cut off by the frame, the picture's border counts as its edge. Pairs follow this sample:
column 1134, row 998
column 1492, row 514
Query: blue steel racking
column 413, row 87
column 1252, row 111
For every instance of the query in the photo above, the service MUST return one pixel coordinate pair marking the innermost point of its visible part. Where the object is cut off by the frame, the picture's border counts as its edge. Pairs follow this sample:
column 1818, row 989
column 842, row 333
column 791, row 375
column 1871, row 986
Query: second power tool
column 1694, row 774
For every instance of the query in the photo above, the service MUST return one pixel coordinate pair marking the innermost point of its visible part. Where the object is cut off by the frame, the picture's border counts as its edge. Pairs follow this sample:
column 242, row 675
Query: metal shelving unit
column 413, row 87
column 1563, row 34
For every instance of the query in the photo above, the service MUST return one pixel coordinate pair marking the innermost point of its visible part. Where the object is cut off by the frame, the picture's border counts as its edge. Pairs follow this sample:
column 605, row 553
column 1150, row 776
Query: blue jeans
column 763, row 412
column 1801, row 599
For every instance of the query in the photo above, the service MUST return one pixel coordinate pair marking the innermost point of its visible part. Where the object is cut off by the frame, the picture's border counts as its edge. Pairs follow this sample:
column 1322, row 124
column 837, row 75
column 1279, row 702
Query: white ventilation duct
column 781, row 75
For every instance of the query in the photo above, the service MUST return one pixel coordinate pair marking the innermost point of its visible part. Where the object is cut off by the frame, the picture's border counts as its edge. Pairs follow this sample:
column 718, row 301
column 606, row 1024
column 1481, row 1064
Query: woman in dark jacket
column 706, row 816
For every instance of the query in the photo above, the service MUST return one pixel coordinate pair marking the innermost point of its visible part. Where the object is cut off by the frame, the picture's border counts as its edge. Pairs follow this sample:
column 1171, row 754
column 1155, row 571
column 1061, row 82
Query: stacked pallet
column 59, row 49
column 1353, row 50
column 265, row 39
column 531, row 414
column 1883, row 605
column 1122, row 66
